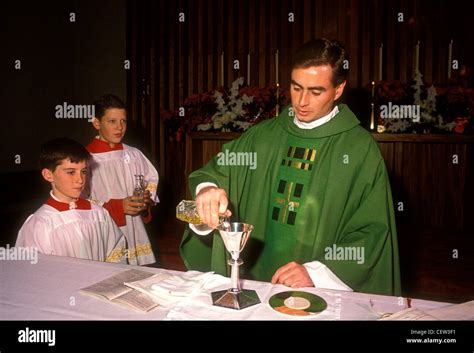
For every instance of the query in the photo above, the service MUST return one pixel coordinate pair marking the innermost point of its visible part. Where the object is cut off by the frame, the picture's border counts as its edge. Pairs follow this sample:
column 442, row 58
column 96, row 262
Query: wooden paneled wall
column 429, row 177
column 189, row 52
column 176, row 46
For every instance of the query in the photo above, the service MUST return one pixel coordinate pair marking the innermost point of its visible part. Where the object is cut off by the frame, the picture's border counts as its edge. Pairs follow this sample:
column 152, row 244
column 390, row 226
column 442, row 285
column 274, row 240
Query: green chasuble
column 313, row 195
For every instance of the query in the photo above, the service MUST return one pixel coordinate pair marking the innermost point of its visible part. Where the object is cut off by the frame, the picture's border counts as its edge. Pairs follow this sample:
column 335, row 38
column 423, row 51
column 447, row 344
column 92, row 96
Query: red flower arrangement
column 224, row 109
column 443, row 108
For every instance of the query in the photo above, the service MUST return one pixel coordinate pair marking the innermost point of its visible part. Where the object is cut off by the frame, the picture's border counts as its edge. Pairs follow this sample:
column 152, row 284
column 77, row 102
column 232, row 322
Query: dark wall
column 61, row 61
column 190, row 50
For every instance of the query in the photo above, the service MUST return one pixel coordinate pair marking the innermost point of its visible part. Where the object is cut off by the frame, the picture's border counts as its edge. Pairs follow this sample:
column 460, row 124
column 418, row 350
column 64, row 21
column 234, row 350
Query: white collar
column 317, row 122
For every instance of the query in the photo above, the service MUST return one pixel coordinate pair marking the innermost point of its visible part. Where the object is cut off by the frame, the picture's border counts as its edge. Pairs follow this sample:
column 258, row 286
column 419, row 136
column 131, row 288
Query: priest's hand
column 133, row 205
column 293, row 275
column 212, row 202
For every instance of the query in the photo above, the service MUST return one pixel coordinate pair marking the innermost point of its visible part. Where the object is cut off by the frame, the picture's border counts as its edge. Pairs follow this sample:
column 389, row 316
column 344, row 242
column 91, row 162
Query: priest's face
column 67, row 180
column 112, row 125
column 313, row 93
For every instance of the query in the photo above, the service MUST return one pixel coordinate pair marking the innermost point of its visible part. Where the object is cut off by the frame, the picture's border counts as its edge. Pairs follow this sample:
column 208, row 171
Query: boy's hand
column 146, row 198
column 133, row 205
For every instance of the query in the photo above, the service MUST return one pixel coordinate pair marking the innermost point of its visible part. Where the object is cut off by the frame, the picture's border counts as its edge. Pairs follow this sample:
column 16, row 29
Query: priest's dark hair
column 55, row 151
column 107, row 101
column 322, row 51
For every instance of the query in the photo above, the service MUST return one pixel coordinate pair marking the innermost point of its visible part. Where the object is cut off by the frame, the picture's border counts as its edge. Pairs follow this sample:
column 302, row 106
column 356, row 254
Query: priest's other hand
column 212, row 202
column 292, row 275
column 133, row 205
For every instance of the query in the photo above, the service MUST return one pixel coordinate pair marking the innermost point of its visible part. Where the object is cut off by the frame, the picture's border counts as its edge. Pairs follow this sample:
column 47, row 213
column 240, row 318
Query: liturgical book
column 112, row 289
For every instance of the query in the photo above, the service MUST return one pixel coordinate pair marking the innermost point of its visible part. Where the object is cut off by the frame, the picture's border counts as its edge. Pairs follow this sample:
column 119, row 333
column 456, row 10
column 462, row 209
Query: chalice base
column 228, row 299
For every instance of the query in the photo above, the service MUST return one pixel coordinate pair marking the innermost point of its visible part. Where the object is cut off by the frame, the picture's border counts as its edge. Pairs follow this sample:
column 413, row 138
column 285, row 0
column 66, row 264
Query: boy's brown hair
column 55, row 151
column 107, row 101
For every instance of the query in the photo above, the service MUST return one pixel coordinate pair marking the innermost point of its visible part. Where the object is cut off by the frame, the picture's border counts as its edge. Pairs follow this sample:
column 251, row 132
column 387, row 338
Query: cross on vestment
column 289, row 205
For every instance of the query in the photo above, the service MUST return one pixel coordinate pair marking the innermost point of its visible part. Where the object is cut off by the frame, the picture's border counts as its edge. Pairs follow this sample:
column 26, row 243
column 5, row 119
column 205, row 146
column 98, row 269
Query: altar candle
column 222, row 69
column 417, row 57
column 276, row 66
column 373, row 90
column 248, row 69
column 277, row 109
column 380, row 61
column 372, row 125
column 450, row 57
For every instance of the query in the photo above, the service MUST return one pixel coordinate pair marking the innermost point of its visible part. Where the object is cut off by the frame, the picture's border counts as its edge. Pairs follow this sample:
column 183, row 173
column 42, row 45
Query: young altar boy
column 67, row 225
column 114, row 167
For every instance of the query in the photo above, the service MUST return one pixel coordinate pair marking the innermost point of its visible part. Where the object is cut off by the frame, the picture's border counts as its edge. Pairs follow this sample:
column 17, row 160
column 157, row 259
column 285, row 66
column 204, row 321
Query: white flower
column 219, row 101
column 234, row 91
column 203, row 127
column 216, row 121
column 428, row 105
column 448, row 126
column 246, row 99
column 229, row 112
column 427, row 117
column 227, row 118
column 244, row 125
column 398, row 125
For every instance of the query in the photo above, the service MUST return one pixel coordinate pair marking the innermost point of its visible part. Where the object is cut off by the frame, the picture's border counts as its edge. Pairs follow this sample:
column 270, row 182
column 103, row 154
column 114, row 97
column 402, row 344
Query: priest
column 319, row 195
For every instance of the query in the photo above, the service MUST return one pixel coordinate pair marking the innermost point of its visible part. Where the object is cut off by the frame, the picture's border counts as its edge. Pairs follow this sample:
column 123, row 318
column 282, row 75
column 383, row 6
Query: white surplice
column 112, row 177
column 80, row 229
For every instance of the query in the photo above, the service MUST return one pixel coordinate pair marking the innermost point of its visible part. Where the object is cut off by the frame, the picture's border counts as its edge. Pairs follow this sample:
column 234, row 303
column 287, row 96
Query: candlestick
column 380, row 61
column 276, row 66
column 248, row 69
column 450, row 58
column 417, row 57
column 222, row 69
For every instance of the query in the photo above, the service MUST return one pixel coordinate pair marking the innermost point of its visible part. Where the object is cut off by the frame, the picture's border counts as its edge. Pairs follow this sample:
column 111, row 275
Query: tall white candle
column 248, row 69
column 380, row 61
column 450, row 58
column 277, row 108
column 276, row 66
column 222, row 69
column 417, row 57
column 372, row 119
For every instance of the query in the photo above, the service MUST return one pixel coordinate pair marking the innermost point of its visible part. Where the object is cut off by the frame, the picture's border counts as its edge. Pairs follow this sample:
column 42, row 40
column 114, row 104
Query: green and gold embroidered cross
column 308, row 155
column 291, row 191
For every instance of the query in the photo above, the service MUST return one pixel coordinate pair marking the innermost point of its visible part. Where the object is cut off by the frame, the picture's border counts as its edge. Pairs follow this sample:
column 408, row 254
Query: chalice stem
column 234, row 275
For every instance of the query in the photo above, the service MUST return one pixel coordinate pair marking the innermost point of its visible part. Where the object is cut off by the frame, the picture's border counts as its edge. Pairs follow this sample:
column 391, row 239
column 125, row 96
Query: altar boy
column 67, row 225
column 114, row 167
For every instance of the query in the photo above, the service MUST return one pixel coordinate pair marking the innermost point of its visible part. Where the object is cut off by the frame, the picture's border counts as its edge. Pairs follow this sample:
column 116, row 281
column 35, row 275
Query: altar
column 49, row 290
